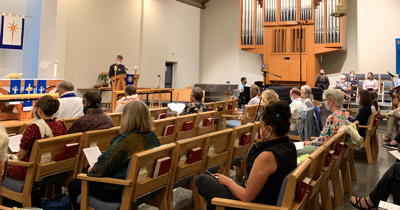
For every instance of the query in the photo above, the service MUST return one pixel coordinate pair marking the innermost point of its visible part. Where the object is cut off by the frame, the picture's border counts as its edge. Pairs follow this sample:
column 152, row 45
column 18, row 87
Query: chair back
column 219, row 150
column 294, row 197
column 243, row 139
column 165, row 129
column 68, row 122
column 220, row 108
column 47, row 152
column 148, row 160
column 317, row 171
column 210, row 106
column 17, row 128
column 205, row 122
column 230, row 106
column 99, row 138
column 155, row 113
column 249, row 114
column 183, row 125
column 115, row 118
column 256, row 131
column 187, row 162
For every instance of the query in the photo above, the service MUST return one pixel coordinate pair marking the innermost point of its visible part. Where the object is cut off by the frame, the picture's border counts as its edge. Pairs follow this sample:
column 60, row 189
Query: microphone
column 159, row 81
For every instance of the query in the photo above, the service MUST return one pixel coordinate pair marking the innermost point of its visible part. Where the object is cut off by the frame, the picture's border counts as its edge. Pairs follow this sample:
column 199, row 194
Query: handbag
column 60, row 202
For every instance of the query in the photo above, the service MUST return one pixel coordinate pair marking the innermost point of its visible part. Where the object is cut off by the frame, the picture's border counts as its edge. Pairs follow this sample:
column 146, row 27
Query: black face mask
column 322, row 74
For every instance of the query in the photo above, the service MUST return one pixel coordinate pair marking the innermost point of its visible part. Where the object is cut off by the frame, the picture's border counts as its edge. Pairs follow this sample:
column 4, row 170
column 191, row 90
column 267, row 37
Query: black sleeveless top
column 286, row 156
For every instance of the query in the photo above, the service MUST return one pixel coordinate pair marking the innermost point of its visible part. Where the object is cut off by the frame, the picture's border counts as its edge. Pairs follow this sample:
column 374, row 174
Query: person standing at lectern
column 117, row 68
column 322, row 80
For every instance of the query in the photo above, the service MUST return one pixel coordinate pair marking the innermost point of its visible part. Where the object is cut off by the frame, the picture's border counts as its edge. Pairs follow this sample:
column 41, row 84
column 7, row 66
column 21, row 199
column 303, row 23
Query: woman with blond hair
column 136, row 135
column 267, row 96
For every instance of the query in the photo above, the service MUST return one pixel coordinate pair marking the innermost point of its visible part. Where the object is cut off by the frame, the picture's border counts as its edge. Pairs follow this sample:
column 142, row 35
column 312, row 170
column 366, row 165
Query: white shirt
column 254, row 101
column 70, row 107
column 296, row 107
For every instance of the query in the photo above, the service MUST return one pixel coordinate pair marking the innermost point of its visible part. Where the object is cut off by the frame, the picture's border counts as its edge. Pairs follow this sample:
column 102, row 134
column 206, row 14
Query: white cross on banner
column 12, row 32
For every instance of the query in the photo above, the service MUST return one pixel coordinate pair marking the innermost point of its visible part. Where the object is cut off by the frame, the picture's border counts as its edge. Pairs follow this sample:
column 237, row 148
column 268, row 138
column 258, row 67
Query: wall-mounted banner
column 12, row 31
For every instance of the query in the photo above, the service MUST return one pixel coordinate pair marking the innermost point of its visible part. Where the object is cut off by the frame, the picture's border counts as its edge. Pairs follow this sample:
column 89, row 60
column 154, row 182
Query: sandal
column 358, row 205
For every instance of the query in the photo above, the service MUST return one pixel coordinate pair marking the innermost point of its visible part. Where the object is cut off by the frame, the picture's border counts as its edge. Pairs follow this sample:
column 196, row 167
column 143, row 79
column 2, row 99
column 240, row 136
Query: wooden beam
column 194, row 3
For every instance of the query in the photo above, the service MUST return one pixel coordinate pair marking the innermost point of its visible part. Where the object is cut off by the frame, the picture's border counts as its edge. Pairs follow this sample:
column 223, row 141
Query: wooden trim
column 20, row 163
column 106, row 180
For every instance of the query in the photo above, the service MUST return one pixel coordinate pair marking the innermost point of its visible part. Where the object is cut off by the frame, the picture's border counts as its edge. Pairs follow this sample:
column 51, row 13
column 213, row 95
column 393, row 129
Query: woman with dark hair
column 45, row 126
column 94, row 118
column 130, row 95
column 364, row 111
column 268, row 163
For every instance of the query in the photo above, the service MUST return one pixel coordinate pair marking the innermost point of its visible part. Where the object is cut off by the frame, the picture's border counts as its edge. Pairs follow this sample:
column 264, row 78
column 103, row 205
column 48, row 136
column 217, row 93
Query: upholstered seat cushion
column 15, row 185
column 101, row 205
column 233, row 123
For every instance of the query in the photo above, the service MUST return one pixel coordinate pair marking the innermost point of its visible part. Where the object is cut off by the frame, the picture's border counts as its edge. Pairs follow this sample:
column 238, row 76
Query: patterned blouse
column 333, row 123
column 125, row 100
column 30, row 135
column 344, row 86
column 195, row 107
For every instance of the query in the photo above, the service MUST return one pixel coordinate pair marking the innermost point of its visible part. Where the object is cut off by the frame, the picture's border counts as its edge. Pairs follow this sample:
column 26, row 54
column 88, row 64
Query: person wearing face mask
column 117, row 68
column 344, row 86
column 353, row 80
column 268, row 162
column 94, row 118
column 45, row 126
column 370, row 84
column 322, row 80
column 334, row 102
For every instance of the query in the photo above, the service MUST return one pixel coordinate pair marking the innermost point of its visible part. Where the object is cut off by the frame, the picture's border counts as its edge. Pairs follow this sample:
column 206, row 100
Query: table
column 147, row 92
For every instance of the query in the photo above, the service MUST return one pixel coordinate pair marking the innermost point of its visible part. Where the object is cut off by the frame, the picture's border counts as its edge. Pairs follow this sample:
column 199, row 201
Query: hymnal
column 14, row 142
column 302, row 189
column 163, row 166
column 193, row 155
column 339, row 148
column 169, row 130
column 220, row 108
column 69, row 151
column 328, row 158
column 92, row 154
column 207, row 122
column 245, row 139
column 187, row 126
column 162, row 116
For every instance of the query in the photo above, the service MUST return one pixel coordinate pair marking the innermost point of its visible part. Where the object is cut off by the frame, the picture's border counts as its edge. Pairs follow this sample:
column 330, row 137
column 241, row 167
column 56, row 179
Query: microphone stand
column 159, row 81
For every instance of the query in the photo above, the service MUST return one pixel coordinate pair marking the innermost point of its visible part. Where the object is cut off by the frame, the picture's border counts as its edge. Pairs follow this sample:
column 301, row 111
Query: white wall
column 22, row 61
column 221, row 58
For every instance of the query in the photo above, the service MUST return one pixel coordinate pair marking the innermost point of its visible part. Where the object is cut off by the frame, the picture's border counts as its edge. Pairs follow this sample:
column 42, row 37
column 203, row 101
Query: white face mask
column 327, row 106
column 118, row 62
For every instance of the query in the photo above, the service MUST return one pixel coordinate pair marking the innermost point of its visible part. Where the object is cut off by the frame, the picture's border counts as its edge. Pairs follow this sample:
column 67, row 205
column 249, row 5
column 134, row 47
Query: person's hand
column 222, row 178
column 307, row 143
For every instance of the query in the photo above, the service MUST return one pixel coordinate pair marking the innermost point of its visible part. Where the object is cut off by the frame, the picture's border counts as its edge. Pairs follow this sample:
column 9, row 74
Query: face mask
column 85, row 109
column 327, row 106
column 352, row 75
column 118, row 62
column 322, row 74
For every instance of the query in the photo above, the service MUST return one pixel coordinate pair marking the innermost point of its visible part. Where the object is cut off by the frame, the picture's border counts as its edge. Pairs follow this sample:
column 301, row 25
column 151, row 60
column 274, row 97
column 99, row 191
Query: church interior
column 199, row 104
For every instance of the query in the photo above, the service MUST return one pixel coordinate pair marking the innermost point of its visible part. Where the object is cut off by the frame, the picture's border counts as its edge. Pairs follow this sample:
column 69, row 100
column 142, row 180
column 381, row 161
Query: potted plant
column 102, row 79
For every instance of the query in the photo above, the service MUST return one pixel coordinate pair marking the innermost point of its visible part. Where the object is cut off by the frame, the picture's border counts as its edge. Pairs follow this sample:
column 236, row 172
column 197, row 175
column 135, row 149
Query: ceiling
column 196, row 3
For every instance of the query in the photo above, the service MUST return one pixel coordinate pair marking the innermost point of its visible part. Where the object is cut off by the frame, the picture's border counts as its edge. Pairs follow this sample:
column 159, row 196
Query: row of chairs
column 332, row 162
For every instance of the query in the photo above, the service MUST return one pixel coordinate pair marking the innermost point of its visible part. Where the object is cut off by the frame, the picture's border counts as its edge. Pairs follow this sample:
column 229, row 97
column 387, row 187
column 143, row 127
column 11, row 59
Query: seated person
column 388, row 185
column 344, row 85
column 267, row 164
column 393, row 118
column 364, row 111
column 375, row 105
column 296, row 107
column 94, row 118
column 45, row 126
column 3, row 150
column 70, row 104
column 370, row 83
column 196, row 105
column 353, row 81
column 136, row 135
column 267, row 96
column 306, row 93
column 334, row 103
column 130, row 95
column 322, row 80
column 255, row 95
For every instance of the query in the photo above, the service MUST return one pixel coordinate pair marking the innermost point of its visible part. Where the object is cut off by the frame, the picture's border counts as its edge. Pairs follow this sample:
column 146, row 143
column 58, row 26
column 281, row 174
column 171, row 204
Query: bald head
column 64, row 86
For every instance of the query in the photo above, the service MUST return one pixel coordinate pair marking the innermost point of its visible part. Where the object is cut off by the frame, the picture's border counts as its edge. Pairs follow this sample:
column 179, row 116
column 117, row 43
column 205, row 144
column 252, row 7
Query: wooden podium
column 118, row 83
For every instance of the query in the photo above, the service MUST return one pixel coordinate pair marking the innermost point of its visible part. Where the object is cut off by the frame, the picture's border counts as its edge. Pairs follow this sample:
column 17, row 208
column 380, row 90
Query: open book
column 92, row 154
column 14, row 143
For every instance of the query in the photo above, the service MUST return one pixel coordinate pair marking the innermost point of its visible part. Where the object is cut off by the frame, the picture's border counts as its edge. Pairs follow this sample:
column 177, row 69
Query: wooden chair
column 201, row 119
column 371, row 140
column 116, row 118
column 337, row 185
column 184, row 173
column 68, row 122
column 319, row 174
column 286, row 198
column 180, row 123
column 99, row 138
column 230, row 106
column 210, row 106
column 157, row 111
column 38, row 169
column 161, row 127
column 135, row 187
column 248, row 116
column 17, row 128
column 240, row 147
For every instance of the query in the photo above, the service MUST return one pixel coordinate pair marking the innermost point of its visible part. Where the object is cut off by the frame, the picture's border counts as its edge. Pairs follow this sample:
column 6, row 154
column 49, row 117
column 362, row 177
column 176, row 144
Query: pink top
column 370, row 84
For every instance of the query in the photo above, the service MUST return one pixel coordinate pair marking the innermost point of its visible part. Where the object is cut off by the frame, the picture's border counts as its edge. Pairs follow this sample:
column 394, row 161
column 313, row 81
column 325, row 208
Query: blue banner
column 41, row 87
column 398, row 56
column 28, row 89
column 15, row 87
column 130, row 78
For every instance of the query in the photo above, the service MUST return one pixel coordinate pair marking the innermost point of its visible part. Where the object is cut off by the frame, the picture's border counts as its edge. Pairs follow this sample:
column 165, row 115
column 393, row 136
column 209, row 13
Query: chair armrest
column 20, row 163
column 106, row 180
column 242, row 205
column 363, row 126
column 229, row 116
column 294, row 137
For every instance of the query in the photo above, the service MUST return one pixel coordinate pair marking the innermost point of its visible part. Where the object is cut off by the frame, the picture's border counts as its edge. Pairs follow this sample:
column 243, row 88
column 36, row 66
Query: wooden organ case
column 290, row 34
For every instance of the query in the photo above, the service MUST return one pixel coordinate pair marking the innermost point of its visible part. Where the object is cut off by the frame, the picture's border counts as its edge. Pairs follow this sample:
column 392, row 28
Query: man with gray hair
column 296, row 107
column 70, row 104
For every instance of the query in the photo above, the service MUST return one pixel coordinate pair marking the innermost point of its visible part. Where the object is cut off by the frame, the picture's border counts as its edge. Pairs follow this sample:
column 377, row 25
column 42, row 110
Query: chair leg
column 352, row 165
column 368, row 152
column 27, row 201
column 345, row 171
column 197, row 199
column 325, row 196
column 337, row 187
